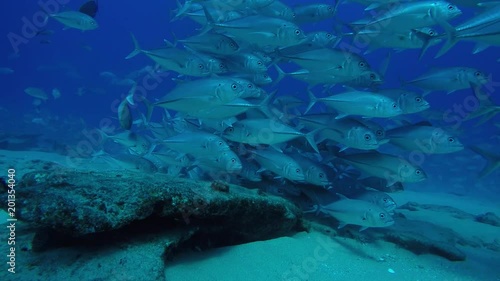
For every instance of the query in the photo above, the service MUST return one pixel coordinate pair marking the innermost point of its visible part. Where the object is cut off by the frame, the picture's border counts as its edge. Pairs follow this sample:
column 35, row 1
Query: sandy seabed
column 319, row 256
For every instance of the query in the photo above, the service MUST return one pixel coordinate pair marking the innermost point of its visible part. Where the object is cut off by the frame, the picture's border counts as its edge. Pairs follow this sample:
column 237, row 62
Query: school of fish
column 226, row 118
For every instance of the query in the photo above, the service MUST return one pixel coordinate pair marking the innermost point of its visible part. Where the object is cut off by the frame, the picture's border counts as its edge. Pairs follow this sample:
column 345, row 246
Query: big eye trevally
column 392, row 168
column 424, row 137
column 357, row 212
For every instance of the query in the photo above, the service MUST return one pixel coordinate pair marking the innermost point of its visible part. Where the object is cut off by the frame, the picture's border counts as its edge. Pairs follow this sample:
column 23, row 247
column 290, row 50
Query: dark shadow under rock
column 422, row 237
column 488, row 218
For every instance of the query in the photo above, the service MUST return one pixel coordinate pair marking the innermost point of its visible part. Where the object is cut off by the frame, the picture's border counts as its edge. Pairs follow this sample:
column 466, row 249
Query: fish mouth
column 425, row 105
column 390, row 207
column 383, row 141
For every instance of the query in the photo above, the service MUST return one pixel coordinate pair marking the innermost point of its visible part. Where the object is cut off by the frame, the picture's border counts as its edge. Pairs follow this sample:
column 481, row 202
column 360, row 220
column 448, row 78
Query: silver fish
column 74, row 19
column 449, row 79
column 366, row 104
column 358, row 212
column 279, row 163
column 212, row 43
column 265, row 131
column 170, row 58
column 413, row 15
column 392, row 168
column 350, row 133
column 201, row 94
column 196, row 143
column 37, row 93
column 424, row 137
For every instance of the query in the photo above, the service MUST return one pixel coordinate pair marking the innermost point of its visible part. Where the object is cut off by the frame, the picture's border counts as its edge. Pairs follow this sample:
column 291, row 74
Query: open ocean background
column 73, row 60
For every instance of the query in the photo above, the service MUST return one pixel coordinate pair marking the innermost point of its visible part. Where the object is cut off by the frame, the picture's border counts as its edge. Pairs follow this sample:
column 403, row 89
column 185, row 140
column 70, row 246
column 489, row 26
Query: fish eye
column 250, row 86
column 451, row 8
column 259, row 63
column 431, row 32
column 297, row 170
column 200, row 66
column 220, row 143
column 362, row 64
column 380, row 132
column 381, row 215
column 234, row 86
column 368, row 137
column 230, row 129
column 385, row 199
column 297, row 32
column 451, row 139
column 372, row 76
column 221, row 65
column 233, row 160
column 231, row 44
column 417, row 99
column 328, row 35
column 394, row 105
column 477, row 73
column 418, row 172
column 321, row 175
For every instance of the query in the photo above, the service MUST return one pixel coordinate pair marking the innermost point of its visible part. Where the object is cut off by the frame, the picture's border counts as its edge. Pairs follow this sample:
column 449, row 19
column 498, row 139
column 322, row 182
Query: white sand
column 293, row 258
column 305, row 257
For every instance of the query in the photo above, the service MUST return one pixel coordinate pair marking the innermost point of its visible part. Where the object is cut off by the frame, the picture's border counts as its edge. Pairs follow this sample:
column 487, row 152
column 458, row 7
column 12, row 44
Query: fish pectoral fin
column 363, row 228
column 261, row 170
column 391, row 181
column 341, row 225
column 342, row 147
column 266, row 34
column 340, row 116
column 276, row 147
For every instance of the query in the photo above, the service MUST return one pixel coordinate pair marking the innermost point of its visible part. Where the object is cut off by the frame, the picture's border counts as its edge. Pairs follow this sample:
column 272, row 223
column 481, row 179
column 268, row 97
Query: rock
column 422, row 237
column 454, row 212
column 75, row 204
column 488, row 218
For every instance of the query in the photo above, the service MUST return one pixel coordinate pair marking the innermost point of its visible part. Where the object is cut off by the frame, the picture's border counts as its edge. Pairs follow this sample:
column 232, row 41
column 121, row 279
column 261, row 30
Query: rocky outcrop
column 70, row 204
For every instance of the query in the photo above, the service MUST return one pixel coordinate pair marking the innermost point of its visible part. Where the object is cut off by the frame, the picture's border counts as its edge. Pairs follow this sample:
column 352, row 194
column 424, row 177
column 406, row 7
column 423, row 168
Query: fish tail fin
column 264, row 104
column 103, row 134
column 137, row 49
column 337, row 4
column 427, row 39
column 149, row 110
column 45, row 20
column 312, row 100
column 281, row 74
column 181, row 9
column 493, row 161
column 451, row 33
column 385, row 64
column 130, row 96
column 310, row 139
column 210, row 20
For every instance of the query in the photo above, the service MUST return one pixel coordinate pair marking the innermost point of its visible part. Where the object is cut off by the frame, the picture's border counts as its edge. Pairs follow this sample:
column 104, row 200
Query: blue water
column 77, row 58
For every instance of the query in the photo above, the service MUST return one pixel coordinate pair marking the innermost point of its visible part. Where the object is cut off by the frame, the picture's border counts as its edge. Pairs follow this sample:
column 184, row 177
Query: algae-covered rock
column 80, row 203
column 489, row 218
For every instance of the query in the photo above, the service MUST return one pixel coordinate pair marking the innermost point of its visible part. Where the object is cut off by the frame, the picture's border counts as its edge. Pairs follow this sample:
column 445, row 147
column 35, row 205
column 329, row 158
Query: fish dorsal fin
column 342, row 196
